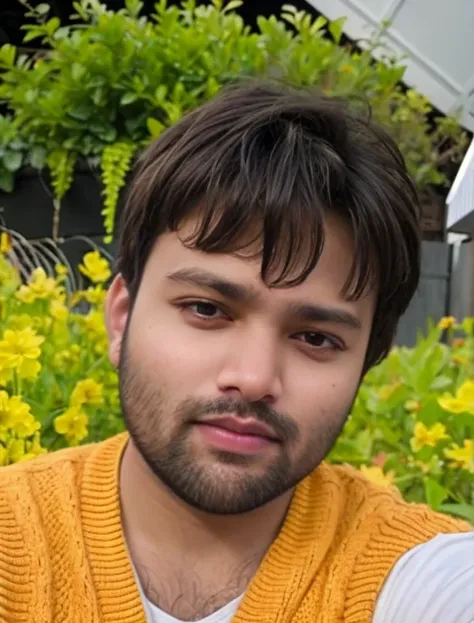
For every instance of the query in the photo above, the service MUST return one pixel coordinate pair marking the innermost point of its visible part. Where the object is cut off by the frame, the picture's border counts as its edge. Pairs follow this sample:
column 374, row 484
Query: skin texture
column 198, row 520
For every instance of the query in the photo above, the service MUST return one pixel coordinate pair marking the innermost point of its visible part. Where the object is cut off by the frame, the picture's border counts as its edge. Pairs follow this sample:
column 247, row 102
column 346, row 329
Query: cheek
column 169, row 349
column 323, row 395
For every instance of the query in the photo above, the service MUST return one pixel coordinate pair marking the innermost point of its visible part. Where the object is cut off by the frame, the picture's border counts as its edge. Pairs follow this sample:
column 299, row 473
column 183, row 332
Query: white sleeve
column 432, row 583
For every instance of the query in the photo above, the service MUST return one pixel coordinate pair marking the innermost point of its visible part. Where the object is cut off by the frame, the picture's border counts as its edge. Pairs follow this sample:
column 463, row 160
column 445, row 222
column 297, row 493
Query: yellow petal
column 29, row 369
column 5, row 242
column 453, row 405
column 466, row 392
column 61, row 424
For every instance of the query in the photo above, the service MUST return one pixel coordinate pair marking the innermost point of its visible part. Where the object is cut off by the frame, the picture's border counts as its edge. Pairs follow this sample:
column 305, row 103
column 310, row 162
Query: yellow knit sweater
column 63, row 557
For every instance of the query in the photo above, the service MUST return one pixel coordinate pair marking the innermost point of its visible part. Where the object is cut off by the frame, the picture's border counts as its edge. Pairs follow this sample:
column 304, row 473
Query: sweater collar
column 279, row 585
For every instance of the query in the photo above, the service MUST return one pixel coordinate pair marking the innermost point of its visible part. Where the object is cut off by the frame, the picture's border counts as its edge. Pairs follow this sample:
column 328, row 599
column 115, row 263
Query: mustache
column 283, row 425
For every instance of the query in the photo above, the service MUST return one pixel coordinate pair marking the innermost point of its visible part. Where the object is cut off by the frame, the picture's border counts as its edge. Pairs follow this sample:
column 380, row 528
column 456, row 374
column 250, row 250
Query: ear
column 117, row 309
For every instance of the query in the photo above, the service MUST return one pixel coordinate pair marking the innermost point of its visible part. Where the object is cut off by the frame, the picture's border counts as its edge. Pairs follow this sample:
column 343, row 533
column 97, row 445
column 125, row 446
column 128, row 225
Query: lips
column 243, row 427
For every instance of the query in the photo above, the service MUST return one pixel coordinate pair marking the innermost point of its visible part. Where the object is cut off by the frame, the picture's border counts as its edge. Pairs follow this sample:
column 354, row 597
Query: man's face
column 232, row 391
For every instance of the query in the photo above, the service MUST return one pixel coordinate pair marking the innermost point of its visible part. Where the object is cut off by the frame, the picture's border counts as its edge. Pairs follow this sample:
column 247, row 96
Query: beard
column 217, row 482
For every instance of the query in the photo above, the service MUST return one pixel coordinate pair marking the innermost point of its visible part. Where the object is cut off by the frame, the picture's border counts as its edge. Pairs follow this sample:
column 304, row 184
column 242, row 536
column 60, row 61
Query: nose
column 251, row 369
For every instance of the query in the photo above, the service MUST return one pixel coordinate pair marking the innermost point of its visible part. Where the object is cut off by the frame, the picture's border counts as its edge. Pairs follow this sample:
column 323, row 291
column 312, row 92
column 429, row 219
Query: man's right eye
column 203, row 310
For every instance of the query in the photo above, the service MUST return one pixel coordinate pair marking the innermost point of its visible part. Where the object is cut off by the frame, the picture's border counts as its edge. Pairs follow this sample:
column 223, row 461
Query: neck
column 167, row 537
column 150, row 509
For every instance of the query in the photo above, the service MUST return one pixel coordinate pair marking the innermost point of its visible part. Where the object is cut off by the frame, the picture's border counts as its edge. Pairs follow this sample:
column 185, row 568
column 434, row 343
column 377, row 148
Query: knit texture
column 63, row 557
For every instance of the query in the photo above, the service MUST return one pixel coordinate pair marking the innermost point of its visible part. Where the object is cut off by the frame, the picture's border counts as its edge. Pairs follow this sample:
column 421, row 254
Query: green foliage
column 413, row 420
column 115, row 164
column 116, row 77
column 61, row 164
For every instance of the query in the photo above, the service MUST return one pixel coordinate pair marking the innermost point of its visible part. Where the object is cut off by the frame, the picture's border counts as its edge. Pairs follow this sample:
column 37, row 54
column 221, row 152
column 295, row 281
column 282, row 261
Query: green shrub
column 113, row 81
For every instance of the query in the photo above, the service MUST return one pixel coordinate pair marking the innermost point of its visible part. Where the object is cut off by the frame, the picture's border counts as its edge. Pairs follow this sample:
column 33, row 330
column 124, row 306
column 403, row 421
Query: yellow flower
column 61, row 270
column 27, row 426
column 462, row 457
column 6, row 416
column 87, row 391
column 6, row 374
column 463, row 402
column 458, row 342
column 447, row 322
column 15, row 415
column 16, row 450
column 20, row 350
column 375, row 474
column 34, row 448
column 95, row 296
column 25, row 295
column 22, row 321
column 58, row 310
column 95, row 267
column 5, row 242
column 64, row 358
column 427, row 436
column 40, row 286
column 3, row 456
column 72, row 424
column 95, row 327
column 94, row 323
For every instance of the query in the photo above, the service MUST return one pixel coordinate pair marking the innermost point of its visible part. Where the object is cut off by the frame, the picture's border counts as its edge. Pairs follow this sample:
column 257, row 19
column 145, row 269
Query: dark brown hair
column 263, row 164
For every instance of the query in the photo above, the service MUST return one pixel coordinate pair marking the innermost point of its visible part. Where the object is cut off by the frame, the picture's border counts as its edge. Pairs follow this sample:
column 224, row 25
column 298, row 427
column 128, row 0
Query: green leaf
column 435, row 493
column 42, row 8
column 160, row 93
column 155, row 127
column 38, row 157
column 345, row 452
column 466, row 511
column 128, row 98
column 431, row 413
column 7, row 55
column 81, row 112
column 52, row 25
column 319, row 23
column 62, row 33
column 232, row 5
column 77, row 71
column 6, row 180
column 363, row 443
column 12, row 161
column 33, row 33
column 134, row 7
column 441, row 382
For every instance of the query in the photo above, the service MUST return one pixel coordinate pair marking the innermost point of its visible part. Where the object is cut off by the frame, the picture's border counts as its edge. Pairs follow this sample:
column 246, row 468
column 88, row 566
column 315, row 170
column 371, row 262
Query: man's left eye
column 318, row 340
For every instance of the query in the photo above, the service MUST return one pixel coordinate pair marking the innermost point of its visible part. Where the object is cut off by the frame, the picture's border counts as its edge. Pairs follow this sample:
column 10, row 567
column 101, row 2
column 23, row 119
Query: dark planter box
column 29, row 208
column 29, row 211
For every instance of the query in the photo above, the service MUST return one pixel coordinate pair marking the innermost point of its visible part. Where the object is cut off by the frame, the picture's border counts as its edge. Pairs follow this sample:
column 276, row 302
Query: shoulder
column 431, row 583
column 41, row 488
column 50, row 463
column 376, row 529
column 386, row 504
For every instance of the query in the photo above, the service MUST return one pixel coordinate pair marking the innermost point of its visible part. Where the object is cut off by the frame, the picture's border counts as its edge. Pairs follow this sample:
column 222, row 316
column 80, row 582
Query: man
column 268, row 247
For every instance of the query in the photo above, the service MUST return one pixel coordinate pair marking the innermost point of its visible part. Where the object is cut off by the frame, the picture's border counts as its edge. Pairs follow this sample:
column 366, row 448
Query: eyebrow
column 204, row 279
column 238, row 293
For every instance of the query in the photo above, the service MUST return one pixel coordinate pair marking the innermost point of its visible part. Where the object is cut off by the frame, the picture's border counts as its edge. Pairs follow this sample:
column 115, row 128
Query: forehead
column 324, row 285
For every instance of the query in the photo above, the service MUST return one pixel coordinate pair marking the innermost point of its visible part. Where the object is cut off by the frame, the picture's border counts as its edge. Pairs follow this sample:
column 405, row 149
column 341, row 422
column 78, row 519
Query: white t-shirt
column 432, row 583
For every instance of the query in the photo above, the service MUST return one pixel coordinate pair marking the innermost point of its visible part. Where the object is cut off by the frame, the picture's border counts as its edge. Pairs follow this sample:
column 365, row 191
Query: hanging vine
column 61, row 165
column 115, row 164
